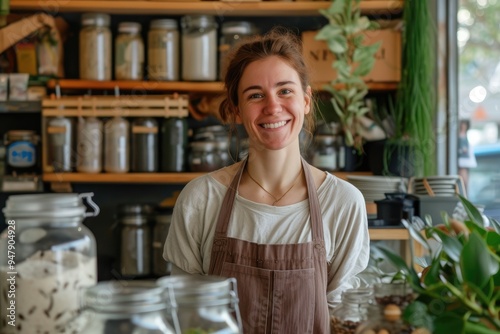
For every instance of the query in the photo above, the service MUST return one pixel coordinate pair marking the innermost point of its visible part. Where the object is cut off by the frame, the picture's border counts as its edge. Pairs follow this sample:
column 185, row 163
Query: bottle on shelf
column 95, row 47
column 116, row 145
column 144, row 145
column 163, row 50
column 60, row 148
column 129, row 52
column 174, row 142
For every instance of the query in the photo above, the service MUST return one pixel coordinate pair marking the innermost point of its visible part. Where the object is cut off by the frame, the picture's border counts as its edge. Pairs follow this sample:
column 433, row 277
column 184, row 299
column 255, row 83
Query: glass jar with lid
column 174, row 144
column 89, row 145
column 205, row 304
column 325, row 152
column 397, row 293
column 386, row 320
column 129, row 52
column 46, row 256
column 232, row 33
column 126, row 307
column 352, row 311
column 203, row 156
column 21, row 152
column 60, row 147
column 163, row 217
column 144, row 145
column 95, row 47
column 116, row 145
column 199, row 48
column 163, row 50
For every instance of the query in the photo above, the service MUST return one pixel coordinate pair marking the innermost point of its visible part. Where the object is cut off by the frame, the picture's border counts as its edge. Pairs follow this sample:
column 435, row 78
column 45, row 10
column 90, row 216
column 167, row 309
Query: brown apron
column 281, row 287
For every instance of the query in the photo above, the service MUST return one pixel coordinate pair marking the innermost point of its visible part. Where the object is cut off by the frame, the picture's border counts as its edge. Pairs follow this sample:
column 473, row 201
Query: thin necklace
column 276, row 200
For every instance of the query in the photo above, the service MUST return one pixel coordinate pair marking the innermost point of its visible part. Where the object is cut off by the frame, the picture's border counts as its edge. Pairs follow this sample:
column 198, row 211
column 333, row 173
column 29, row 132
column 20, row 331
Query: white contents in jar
column 95, row 47
column 47, row 291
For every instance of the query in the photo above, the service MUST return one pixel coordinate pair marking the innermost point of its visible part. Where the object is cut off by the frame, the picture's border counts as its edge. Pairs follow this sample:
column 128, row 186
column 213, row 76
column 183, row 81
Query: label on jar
column 129, row 59
column 21, row 154
column 163, row 55
column 144, row 129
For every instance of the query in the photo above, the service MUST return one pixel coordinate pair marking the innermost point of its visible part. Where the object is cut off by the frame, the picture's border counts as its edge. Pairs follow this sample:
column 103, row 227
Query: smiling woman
column 293, row 236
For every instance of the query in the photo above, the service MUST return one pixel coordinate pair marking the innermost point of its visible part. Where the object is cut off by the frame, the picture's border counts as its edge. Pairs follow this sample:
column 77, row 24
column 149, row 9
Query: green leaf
column 493, row 240
column 495, row 224
column 337, row 44
column 478, row 328
column 449, row 323
column 476, row 262
column 475, row 227
column 472, row 211
column 451, row 246
column 400, row 264
column 416, row 314
column 432, row 275
column 336, row 7
column 327, row 32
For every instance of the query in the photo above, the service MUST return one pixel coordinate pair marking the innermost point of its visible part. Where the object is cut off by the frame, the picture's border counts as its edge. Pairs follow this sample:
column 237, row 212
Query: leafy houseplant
column 459, row 289
column 353, row 61
column 415, row 105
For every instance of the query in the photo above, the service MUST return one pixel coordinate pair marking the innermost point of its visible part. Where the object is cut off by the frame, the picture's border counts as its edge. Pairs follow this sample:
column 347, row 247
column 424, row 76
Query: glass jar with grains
column 95, row 47
column 129, row 52
column 163, row 50
column 353, row 310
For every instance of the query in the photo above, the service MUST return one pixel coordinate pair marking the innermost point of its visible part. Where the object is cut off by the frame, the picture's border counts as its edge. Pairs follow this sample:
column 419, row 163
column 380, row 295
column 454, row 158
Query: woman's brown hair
column 279, row 42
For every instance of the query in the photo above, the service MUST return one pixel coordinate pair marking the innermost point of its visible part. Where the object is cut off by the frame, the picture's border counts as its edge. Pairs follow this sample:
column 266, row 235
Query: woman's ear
column 307, row 100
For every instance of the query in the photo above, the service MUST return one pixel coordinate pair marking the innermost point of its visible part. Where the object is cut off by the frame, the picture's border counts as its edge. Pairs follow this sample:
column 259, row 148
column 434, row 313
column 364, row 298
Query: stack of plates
column 374, row 187
column 446, row 185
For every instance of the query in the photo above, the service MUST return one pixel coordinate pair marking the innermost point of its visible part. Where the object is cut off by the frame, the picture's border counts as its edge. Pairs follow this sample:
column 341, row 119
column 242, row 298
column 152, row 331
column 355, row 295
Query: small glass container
column 116, row 145
column 129, row 52
column 127, row 307
column 400, row 294
column 352, row 311
column 199, row 48
column 384, row 320
column 89, row 145
column 21, row 152
column 47, row 255
column 205, row 304
column 95, row 47
column 163, row 50
column 232, row 33
column 144, row 145
column 60, row 137
column 203, row 156
column 325, row 152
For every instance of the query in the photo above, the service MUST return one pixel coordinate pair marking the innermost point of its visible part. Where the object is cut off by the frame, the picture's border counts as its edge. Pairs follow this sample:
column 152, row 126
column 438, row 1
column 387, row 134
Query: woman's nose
column 273, row 105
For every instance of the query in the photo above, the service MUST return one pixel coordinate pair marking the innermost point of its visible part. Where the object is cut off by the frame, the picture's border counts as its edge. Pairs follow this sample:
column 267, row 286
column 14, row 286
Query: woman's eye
column 285, row 91
column 255, row 96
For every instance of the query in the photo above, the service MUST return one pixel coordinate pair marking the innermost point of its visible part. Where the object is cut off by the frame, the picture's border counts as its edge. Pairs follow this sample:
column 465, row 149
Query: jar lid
column 203, row 146
column 163, row 23
column 201, row 21
column 130, row 27
column 48, row 206
column 135, row 209
column 96, row 19
column 238, row 27
column 126, row 296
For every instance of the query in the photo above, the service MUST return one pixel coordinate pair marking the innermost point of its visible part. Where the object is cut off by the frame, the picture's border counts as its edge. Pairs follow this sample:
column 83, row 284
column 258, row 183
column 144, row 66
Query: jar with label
column 173, row 144
column 199, row 48
column 325, row 152
column 89, row 145
column 232, row 33
column 95, row 47
column 127, row 307
column 21, row 152
column 163, row 50
column 60, row 143
column 144, row 145
column 352, row 311
column 116, row 145
column 129, row 52
column 135, row 222
column 163, row 218
column 55, row 257
column 205, row 304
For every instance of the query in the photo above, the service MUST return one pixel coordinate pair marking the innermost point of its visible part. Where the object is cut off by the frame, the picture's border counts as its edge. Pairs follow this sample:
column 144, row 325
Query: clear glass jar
column 95, row 47
column 126, row 307
column 199, row 48
column 21, row 152
column 384, row 320
column 135, row 222
column 129, row 52
column 205, row 304
column 352, row 311
column 400, row 294
column 203, row 156
column 60, row 137
column 46, row 256
column 163, row 218
column 232, row 33
column 89, row 145
column 144, row 145
column 116, row 145
column 173, row 146
column 163, row 50
column 325, row 152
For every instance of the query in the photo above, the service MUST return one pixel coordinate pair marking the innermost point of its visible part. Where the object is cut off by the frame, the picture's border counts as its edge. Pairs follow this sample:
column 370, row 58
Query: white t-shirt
column 189, row 243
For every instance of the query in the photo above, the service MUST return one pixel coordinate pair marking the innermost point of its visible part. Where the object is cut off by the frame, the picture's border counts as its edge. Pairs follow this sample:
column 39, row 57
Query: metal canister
column 21, row 152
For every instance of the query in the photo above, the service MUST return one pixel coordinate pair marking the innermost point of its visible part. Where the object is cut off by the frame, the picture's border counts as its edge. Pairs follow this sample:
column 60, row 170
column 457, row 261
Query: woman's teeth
column 273, row 125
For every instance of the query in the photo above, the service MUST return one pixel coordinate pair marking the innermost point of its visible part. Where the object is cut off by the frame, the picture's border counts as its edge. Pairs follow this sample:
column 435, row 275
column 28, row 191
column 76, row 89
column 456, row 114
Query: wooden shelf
column 219, row 8
column 177, row 86
column 172, row 178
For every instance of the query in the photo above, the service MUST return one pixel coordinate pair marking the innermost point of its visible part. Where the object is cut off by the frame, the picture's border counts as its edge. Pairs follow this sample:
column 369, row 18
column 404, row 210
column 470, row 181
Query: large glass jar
column 232, row 33
column 46, row 256
column 400, row 294
column 163, row 50
column 144, row 145
column 352, row 311
column 199, row 48
column 173, row 144
column 95, row 47
column 116, row 145
column 126, row 307
column 60, row 135
column 89, row 145
column 386, row 320
column 129, row 52
column 205, row 304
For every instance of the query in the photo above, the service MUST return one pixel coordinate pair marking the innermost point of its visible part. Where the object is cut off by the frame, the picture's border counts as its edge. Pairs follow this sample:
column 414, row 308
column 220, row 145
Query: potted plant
column 411, row 148
column 459, row 289
column 353, row 60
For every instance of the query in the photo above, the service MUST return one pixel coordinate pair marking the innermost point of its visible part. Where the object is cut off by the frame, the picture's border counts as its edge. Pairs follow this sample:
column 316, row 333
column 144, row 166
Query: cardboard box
column 387, row 66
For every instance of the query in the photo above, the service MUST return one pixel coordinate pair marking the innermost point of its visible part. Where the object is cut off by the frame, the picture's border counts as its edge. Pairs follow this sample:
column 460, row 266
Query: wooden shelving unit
column 221, row 8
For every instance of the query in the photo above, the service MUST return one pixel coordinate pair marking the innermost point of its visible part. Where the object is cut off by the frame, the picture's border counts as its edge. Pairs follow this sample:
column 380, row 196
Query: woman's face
column 272, row 103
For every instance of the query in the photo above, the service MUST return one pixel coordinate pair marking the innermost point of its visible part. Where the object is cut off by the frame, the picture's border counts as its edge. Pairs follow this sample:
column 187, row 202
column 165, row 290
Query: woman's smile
column 274, row 125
